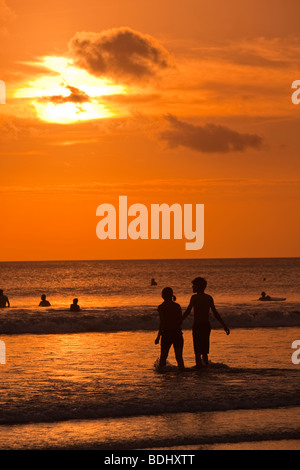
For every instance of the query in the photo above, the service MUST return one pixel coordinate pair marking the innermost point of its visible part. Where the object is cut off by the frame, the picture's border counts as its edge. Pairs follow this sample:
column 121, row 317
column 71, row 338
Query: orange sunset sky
column 166, row 102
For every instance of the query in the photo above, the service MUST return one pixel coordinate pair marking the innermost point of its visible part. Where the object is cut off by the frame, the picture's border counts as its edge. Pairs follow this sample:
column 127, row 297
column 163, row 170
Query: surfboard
column 273, row 299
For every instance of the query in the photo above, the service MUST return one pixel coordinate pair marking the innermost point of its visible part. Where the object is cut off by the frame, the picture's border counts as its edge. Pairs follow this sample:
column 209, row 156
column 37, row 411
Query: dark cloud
column 120, row 53
column 209, row 138
column 76, row 96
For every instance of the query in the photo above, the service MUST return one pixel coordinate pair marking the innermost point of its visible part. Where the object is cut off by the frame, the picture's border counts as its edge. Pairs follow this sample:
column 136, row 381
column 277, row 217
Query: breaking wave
column 59, row 321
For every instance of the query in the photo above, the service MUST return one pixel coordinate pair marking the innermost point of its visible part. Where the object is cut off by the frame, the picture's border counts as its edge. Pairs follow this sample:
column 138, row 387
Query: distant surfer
column 4, row 302
column 202, row 303
column 170, row 332
column 74, row 307
column 153, row 282
column 44, row 302
column 264, row 296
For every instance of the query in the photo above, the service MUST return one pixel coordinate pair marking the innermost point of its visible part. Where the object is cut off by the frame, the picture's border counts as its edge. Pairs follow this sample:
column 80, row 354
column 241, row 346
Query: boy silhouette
column 202, row 303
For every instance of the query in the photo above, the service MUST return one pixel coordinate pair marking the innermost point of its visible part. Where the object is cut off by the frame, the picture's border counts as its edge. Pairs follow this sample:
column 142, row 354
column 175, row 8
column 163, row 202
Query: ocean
column 89, row 380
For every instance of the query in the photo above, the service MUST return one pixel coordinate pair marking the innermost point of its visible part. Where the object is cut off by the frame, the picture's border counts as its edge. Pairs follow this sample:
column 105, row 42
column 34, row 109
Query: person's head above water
column 75, row 301
column 199, row 284
column 167, row 294
column 43, row 297
column 263, row 294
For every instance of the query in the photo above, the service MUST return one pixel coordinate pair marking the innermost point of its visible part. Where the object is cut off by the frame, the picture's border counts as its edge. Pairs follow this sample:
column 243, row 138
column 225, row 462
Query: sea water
column 89, row 379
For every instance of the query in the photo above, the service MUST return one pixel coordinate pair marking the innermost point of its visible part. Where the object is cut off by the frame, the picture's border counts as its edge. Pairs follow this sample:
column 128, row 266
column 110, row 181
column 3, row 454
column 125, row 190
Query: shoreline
column 241, row 430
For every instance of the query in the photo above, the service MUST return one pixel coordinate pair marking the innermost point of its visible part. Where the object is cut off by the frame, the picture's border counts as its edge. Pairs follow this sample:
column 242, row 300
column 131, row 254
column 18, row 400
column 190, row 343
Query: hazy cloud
column 133, row 98
column 254, row 59
column 258, row 52
column 121, row 53
column 208, row 138
column 6, row 14
column 14, row 128
column 174, row 186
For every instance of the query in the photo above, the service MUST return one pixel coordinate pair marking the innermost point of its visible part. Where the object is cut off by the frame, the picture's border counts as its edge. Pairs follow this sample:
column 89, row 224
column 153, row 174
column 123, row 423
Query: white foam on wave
column 60, row 321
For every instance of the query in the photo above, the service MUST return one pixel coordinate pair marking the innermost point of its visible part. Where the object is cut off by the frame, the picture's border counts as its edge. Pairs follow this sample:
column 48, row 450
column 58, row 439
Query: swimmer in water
column 44, row 302
column 3, row 300
column 264, row 296
column 74, row 307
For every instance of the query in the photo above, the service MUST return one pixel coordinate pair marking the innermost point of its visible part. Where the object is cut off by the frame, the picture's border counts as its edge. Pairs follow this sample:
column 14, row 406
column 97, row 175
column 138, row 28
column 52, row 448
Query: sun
column 68, row 94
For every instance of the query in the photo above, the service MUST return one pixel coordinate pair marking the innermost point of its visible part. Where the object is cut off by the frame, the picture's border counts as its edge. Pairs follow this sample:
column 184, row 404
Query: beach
column 89, row 380
column 102, row 391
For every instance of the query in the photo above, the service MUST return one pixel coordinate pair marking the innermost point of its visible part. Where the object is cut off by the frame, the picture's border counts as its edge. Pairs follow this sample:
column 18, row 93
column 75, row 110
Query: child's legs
column 178, row 348
column 165, row 345
column 205, row 359
column 197, row 348
column 201, row 335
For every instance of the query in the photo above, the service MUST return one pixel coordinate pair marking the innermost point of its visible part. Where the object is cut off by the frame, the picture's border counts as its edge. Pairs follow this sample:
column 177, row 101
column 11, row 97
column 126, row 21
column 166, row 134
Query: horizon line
column 148, row 259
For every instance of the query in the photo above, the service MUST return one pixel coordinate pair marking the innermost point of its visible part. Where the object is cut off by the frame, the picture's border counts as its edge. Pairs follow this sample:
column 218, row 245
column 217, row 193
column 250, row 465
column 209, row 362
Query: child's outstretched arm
column 157, row 338
column 218, row 316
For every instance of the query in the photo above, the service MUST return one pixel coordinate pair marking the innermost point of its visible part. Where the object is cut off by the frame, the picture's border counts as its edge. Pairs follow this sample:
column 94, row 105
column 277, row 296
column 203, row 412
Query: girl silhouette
column 170, row 328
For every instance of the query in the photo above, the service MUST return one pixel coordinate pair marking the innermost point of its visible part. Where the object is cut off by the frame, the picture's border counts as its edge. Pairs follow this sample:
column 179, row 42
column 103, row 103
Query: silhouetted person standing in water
column 202, row 303
column 74, row 307
column 44, row 302
column 3, row 300
column 170, row 328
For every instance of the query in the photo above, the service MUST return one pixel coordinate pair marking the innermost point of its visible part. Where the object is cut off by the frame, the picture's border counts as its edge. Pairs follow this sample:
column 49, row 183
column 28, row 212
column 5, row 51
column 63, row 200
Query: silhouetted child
column 170, row 328
column 44, row 302
column 202, row 303
column 74, row 307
